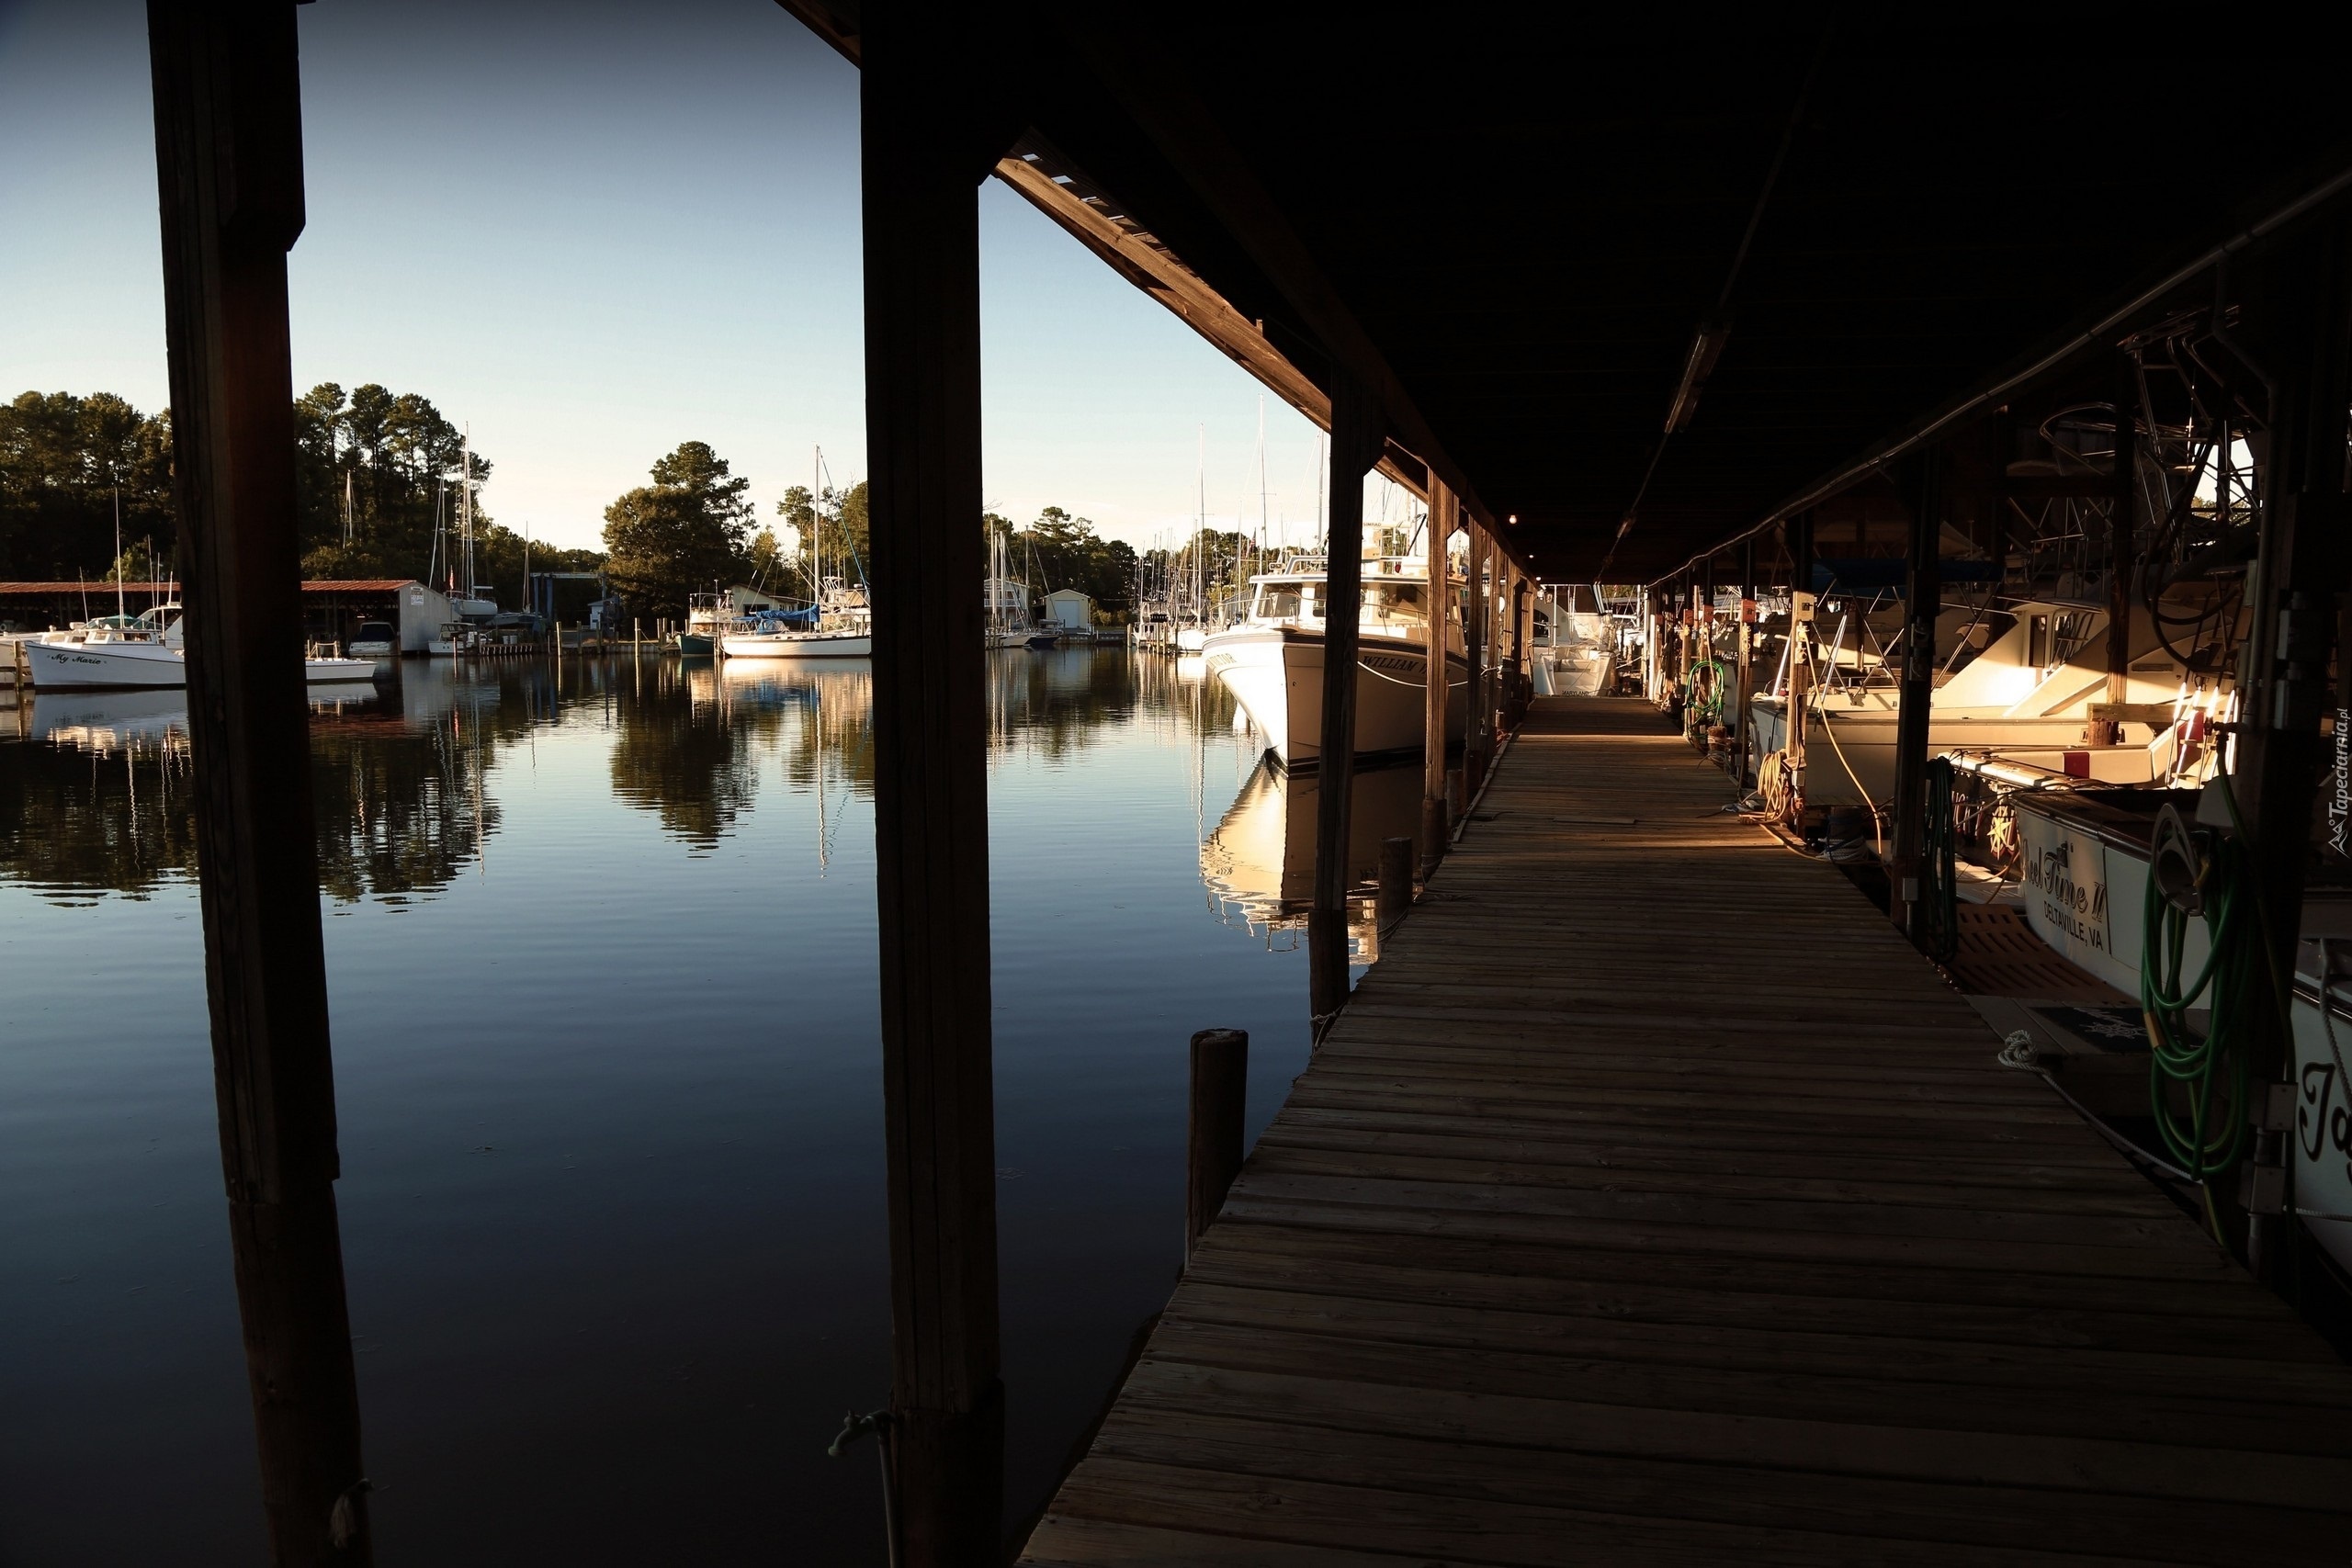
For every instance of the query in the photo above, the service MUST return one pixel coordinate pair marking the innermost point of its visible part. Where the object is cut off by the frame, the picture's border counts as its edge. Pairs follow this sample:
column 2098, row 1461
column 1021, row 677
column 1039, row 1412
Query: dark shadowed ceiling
column 1529, row 220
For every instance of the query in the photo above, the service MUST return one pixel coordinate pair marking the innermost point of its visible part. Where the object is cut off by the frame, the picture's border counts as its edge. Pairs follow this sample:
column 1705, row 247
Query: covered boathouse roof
column 1523, row 226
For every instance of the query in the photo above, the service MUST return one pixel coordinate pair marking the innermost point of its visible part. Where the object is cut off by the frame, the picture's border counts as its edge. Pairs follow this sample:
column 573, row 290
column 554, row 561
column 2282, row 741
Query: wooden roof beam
column 1183, row 132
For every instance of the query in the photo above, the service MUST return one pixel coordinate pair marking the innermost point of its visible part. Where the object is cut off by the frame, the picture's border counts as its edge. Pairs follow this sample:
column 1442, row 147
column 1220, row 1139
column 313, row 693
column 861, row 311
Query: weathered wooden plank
column 1652, row 1202
column 1393, row 1305
column 1261, row 1444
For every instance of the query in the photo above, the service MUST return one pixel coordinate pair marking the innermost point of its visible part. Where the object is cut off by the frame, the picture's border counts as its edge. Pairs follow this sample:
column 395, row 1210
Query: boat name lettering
column 2077, row 907
column 2320, row 1123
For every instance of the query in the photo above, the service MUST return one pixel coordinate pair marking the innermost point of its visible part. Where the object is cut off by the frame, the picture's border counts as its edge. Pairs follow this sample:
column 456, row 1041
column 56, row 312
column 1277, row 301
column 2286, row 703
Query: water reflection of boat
column 1260, row 859
column 104, row 721
column 108, row 719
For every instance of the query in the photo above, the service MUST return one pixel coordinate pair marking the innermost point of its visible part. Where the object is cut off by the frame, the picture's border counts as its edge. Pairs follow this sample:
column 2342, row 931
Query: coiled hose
column 2194, row 875
column 1704, row 705
column 1937, row 926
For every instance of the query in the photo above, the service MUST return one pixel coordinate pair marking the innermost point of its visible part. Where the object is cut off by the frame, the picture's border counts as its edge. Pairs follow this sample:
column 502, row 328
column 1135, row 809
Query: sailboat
column 843, row 619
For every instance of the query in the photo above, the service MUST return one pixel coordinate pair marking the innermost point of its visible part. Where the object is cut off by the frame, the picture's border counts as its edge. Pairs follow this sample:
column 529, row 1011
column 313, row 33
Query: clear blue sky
column 590, row 232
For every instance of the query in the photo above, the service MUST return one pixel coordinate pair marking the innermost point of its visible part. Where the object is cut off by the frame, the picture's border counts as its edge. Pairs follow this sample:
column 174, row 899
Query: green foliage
column 1068, row 554
column 1227, row 559
column 62, row 460
column 687, row 532
column 835, row 521
column 369, row 469
column 396, row 461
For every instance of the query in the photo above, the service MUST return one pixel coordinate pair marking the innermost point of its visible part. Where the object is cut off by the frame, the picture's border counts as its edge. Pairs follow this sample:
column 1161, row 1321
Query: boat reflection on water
column 1259, row 863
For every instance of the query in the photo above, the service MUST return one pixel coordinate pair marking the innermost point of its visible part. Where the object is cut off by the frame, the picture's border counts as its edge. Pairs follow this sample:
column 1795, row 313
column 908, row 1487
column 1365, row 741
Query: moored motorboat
column 1273, row 659
column 148, row 653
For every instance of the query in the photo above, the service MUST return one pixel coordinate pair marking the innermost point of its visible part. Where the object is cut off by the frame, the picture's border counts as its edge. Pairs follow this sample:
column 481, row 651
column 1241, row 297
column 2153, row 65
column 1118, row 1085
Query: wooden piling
column 2121, row 508
column 228, row 154
column 1356, row 437
column 1923, row 602
column 923, row 154
column 1474, row 649
column 1442, row 614
column 1395, row 881
column 2299, row 319
column 1743, row 721
column 1213, row 1142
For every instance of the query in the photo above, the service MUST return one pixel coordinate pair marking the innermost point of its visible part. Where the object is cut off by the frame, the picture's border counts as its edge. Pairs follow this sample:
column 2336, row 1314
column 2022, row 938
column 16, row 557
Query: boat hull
column 799, row 644
column 1850, row 752
column 1276, row 674
column 78, row 666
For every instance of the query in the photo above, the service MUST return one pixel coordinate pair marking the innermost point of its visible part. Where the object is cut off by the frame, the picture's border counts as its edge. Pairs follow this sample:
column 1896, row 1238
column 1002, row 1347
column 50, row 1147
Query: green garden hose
column 1938, row 922
column 2196, row 875
column 1704, row 707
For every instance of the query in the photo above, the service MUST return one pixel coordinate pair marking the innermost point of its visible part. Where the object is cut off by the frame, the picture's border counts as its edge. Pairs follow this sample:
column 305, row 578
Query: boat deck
column 1652, row 1202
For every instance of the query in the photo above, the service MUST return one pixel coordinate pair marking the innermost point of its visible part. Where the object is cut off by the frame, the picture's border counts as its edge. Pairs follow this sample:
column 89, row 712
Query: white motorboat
column 375, row 639
column 2026, row 695
column 150, row 652
column 1273, row 660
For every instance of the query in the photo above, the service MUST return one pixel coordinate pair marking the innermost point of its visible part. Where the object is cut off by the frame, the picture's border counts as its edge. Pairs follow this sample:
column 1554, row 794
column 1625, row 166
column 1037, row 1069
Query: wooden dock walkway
column 1653, row 1202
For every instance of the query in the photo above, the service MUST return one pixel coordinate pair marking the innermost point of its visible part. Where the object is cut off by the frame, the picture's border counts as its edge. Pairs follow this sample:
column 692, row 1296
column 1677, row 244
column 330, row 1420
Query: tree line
column 375, row 473
column 692, row 531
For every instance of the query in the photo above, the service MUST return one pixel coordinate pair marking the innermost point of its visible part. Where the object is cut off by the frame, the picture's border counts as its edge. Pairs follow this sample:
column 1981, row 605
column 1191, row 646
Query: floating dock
column 1654, row 1202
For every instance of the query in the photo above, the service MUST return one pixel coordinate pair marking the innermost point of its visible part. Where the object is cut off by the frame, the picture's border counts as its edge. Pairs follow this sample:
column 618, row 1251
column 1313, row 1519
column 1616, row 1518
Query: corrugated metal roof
column 323, row 585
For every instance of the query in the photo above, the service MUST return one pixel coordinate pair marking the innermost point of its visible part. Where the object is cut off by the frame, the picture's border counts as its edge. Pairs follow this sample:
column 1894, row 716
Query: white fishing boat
column 1273, row 659
column 150, row 652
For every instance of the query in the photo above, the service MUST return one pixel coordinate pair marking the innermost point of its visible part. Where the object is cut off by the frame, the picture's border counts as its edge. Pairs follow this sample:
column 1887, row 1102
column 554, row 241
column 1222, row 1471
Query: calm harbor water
column 601, row 948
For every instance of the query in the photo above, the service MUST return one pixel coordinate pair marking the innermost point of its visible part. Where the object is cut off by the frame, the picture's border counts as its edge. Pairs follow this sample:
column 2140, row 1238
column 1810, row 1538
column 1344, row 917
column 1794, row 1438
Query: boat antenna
column 119, row 612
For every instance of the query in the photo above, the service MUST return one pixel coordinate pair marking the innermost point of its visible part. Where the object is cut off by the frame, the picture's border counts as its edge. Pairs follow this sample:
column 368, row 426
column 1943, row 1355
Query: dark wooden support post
column 1434, row 820
column 1923, row 601
column 1798, row 532
column 2123, row 511
column 1356, row 435
column 1213, row 1143
column 229, row 167
column 1703, row 617
column 1522, row 616
column 1395, row 881
column 1743, row 689
column 923, row 158
column 2303, row 322
column 1476, row 648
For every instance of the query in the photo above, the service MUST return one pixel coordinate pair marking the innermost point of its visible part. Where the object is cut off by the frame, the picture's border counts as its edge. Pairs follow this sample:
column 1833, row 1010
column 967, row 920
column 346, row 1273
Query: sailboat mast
column 1261, row 473
column 119, row 612
column 466, row 510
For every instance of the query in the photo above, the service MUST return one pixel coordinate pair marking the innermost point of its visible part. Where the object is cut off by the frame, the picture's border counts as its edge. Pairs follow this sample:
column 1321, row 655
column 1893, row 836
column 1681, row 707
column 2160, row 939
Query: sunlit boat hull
column 799, row 644
column 1276, row 674
column 86, row 666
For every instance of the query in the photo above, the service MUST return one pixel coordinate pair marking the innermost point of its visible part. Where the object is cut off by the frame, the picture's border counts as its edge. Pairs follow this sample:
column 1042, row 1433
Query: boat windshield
column 1386, row 604
column 1396, row 604
column 1277, row 602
